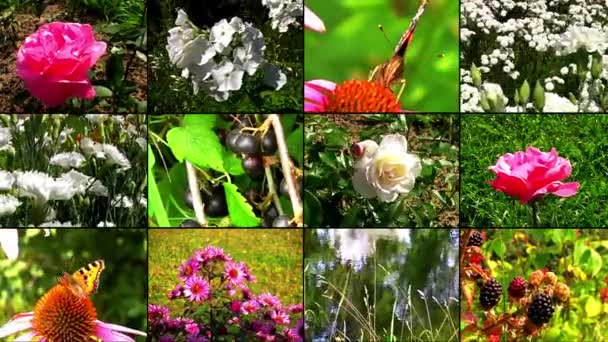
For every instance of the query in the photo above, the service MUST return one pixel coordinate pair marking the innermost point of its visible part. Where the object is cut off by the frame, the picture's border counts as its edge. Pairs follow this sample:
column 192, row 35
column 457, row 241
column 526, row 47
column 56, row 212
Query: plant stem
column 534, row 214
column 272, row 189
column 286, row 167
column 197, row 203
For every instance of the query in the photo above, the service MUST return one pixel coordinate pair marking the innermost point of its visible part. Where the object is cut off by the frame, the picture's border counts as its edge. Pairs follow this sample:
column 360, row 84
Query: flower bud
column 572, row 98
column 516, row 97
column 476, row 74
column 596, row 67
column 539, row 97
column 483, row 102
column 524, row 93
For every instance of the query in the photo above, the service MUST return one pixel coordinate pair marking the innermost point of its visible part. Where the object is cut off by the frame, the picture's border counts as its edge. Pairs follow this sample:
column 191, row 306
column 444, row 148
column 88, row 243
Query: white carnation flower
column 6, row 180
column 114, row 156
column 97, row 118
column 42, row 187
column 9, row 241
column 105, row 224
column 387, row 170
column 90, row 147
column 84, row 183
column 68, row 160
column 8, row 205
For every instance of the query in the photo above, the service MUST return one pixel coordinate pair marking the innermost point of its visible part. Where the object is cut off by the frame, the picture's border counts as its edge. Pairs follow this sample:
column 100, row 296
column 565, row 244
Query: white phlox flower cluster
column 536, row 40
column 217, row 60
column 284, row 13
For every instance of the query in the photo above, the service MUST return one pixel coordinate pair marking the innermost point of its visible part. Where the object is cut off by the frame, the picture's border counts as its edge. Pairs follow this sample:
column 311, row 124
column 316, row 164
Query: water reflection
column 373, row 283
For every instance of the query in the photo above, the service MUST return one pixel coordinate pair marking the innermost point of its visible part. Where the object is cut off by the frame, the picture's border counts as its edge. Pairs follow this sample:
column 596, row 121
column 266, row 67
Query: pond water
column 381, row 284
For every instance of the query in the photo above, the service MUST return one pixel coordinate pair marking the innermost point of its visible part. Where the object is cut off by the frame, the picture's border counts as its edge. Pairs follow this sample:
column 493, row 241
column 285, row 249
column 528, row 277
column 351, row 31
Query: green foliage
column 400, row 290
column 121, row 297
column 353, row 46
column 580, row 138
column 193, row 138
column 330, row 199
column 273, row 256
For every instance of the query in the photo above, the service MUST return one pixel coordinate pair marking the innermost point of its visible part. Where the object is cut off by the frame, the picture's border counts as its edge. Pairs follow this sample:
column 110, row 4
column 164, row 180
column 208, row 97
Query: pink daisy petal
column 312, row 22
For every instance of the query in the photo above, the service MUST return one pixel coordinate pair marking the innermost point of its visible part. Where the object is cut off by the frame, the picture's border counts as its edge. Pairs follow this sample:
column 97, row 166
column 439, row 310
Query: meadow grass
column 580, row 138
column 274, row 256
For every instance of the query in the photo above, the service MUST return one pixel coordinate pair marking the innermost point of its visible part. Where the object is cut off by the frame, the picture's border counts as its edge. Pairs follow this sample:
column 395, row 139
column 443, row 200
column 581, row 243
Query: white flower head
column 387, row 170
column 228, row 77
column 97, row 118
column 114, row 156
column 221, row 35
column 6, row 180
column 8, row 205
column 90, row 147
column 42, row 187
column 274, row 77
column 68, row 160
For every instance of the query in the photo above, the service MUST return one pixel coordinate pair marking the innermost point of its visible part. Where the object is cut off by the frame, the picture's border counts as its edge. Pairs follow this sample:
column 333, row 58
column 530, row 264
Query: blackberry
column 541, row 309
column 517, row 288
column 489, row 295
column 475, row 240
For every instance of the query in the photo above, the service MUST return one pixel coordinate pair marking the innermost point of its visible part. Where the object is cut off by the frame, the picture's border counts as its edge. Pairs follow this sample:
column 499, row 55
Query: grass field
column 274, row 256
column 580, row 138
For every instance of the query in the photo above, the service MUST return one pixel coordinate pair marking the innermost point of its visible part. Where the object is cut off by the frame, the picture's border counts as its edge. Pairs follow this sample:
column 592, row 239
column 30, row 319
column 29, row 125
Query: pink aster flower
column 192, row 329
column 54, row 62
column 312, row 22
column 158, row 313
column 235, row 272
column 322, row 96
column 249, row 307
column 61, row 315
column 531, row 174
column 176, row 292
column 210, row 253
column 196, row 289
column 188, row 269
column 279, row 317
column 267, row 299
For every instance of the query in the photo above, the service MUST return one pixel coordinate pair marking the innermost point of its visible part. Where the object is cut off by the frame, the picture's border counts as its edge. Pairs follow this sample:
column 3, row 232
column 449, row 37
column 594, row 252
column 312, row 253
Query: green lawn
column 274, row 256
column 580, row 138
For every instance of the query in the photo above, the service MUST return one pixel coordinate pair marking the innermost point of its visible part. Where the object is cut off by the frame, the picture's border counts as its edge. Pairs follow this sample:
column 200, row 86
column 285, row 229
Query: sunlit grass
column 274, row 256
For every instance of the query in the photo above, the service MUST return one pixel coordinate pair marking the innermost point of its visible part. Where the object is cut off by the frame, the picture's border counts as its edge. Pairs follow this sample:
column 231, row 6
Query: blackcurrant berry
column 282, row 221
column 244, row 143
column 216, row 205
column 269, row 143
column 254, row 166
column 189, row 223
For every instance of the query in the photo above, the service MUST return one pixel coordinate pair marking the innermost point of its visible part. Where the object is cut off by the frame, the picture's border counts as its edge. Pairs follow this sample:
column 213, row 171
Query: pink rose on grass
column 54, row 62
column 533, row 173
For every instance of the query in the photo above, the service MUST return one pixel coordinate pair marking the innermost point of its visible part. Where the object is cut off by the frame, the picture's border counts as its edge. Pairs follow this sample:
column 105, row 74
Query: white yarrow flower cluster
column 284, row 13
column 385, row 171
column 217, row 61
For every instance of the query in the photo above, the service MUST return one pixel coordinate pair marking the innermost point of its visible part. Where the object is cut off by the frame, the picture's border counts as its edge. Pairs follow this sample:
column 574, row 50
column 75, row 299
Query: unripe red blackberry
column 517, row 288
column 489, row 295
column 475, row 240
column 541, row 309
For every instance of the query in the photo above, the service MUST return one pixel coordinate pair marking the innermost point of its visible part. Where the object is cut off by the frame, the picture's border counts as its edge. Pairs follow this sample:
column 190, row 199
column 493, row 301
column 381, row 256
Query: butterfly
column 85, row 281
column 388, row 73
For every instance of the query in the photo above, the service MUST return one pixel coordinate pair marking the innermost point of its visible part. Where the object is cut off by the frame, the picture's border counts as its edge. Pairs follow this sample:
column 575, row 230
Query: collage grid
column 386, row 201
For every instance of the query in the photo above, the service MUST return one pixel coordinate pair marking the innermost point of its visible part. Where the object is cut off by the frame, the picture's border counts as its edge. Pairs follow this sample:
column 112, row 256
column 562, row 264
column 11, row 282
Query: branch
column 286, row 167
column 197, row 203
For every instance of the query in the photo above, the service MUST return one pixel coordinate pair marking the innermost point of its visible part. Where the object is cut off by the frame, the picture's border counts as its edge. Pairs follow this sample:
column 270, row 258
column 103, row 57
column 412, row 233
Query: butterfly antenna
column 381, row 29
column 407, row 37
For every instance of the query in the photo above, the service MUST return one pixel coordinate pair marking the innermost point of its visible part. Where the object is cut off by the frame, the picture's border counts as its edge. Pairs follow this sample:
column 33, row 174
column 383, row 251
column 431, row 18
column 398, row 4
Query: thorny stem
column 286, row 167
column 272, row 189
column 197, row 203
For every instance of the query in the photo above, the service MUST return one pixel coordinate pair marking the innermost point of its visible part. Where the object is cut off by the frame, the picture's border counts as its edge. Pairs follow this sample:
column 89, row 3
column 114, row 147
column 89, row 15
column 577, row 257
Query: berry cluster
column 531, row 304
column 251, row 138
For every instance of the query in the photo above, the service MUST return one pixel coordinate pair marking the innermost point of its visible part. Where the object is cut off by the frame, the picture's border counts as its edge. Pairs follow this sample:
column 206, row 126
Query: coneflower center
column 362, row 97
column 60, row 315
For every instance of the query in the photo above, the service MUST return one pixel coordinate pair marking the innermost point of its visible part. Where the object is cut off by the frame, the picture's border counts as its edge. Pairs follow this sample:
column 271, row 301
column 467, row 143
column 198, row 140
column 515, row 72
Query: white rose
column 387, row 170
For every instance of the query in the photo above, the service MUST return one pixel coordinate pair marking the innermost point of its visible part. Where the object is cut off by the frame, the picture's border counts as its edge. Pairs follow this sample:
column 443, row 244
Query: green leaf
column 115, row 69
column 295, row 145
column 241, row 213
column 233, row 164
column 101, row 91
column 288, row 121
column 593, row 307
column 156, row 204
column 207, row 120
column 197, row 144
column 313, row 211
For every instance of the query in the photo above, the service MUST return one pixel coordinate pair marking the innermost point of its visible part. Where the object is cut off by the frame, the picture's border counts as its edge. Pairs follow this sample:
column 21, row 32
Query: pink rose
column 533, row 173
column 55, row 60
